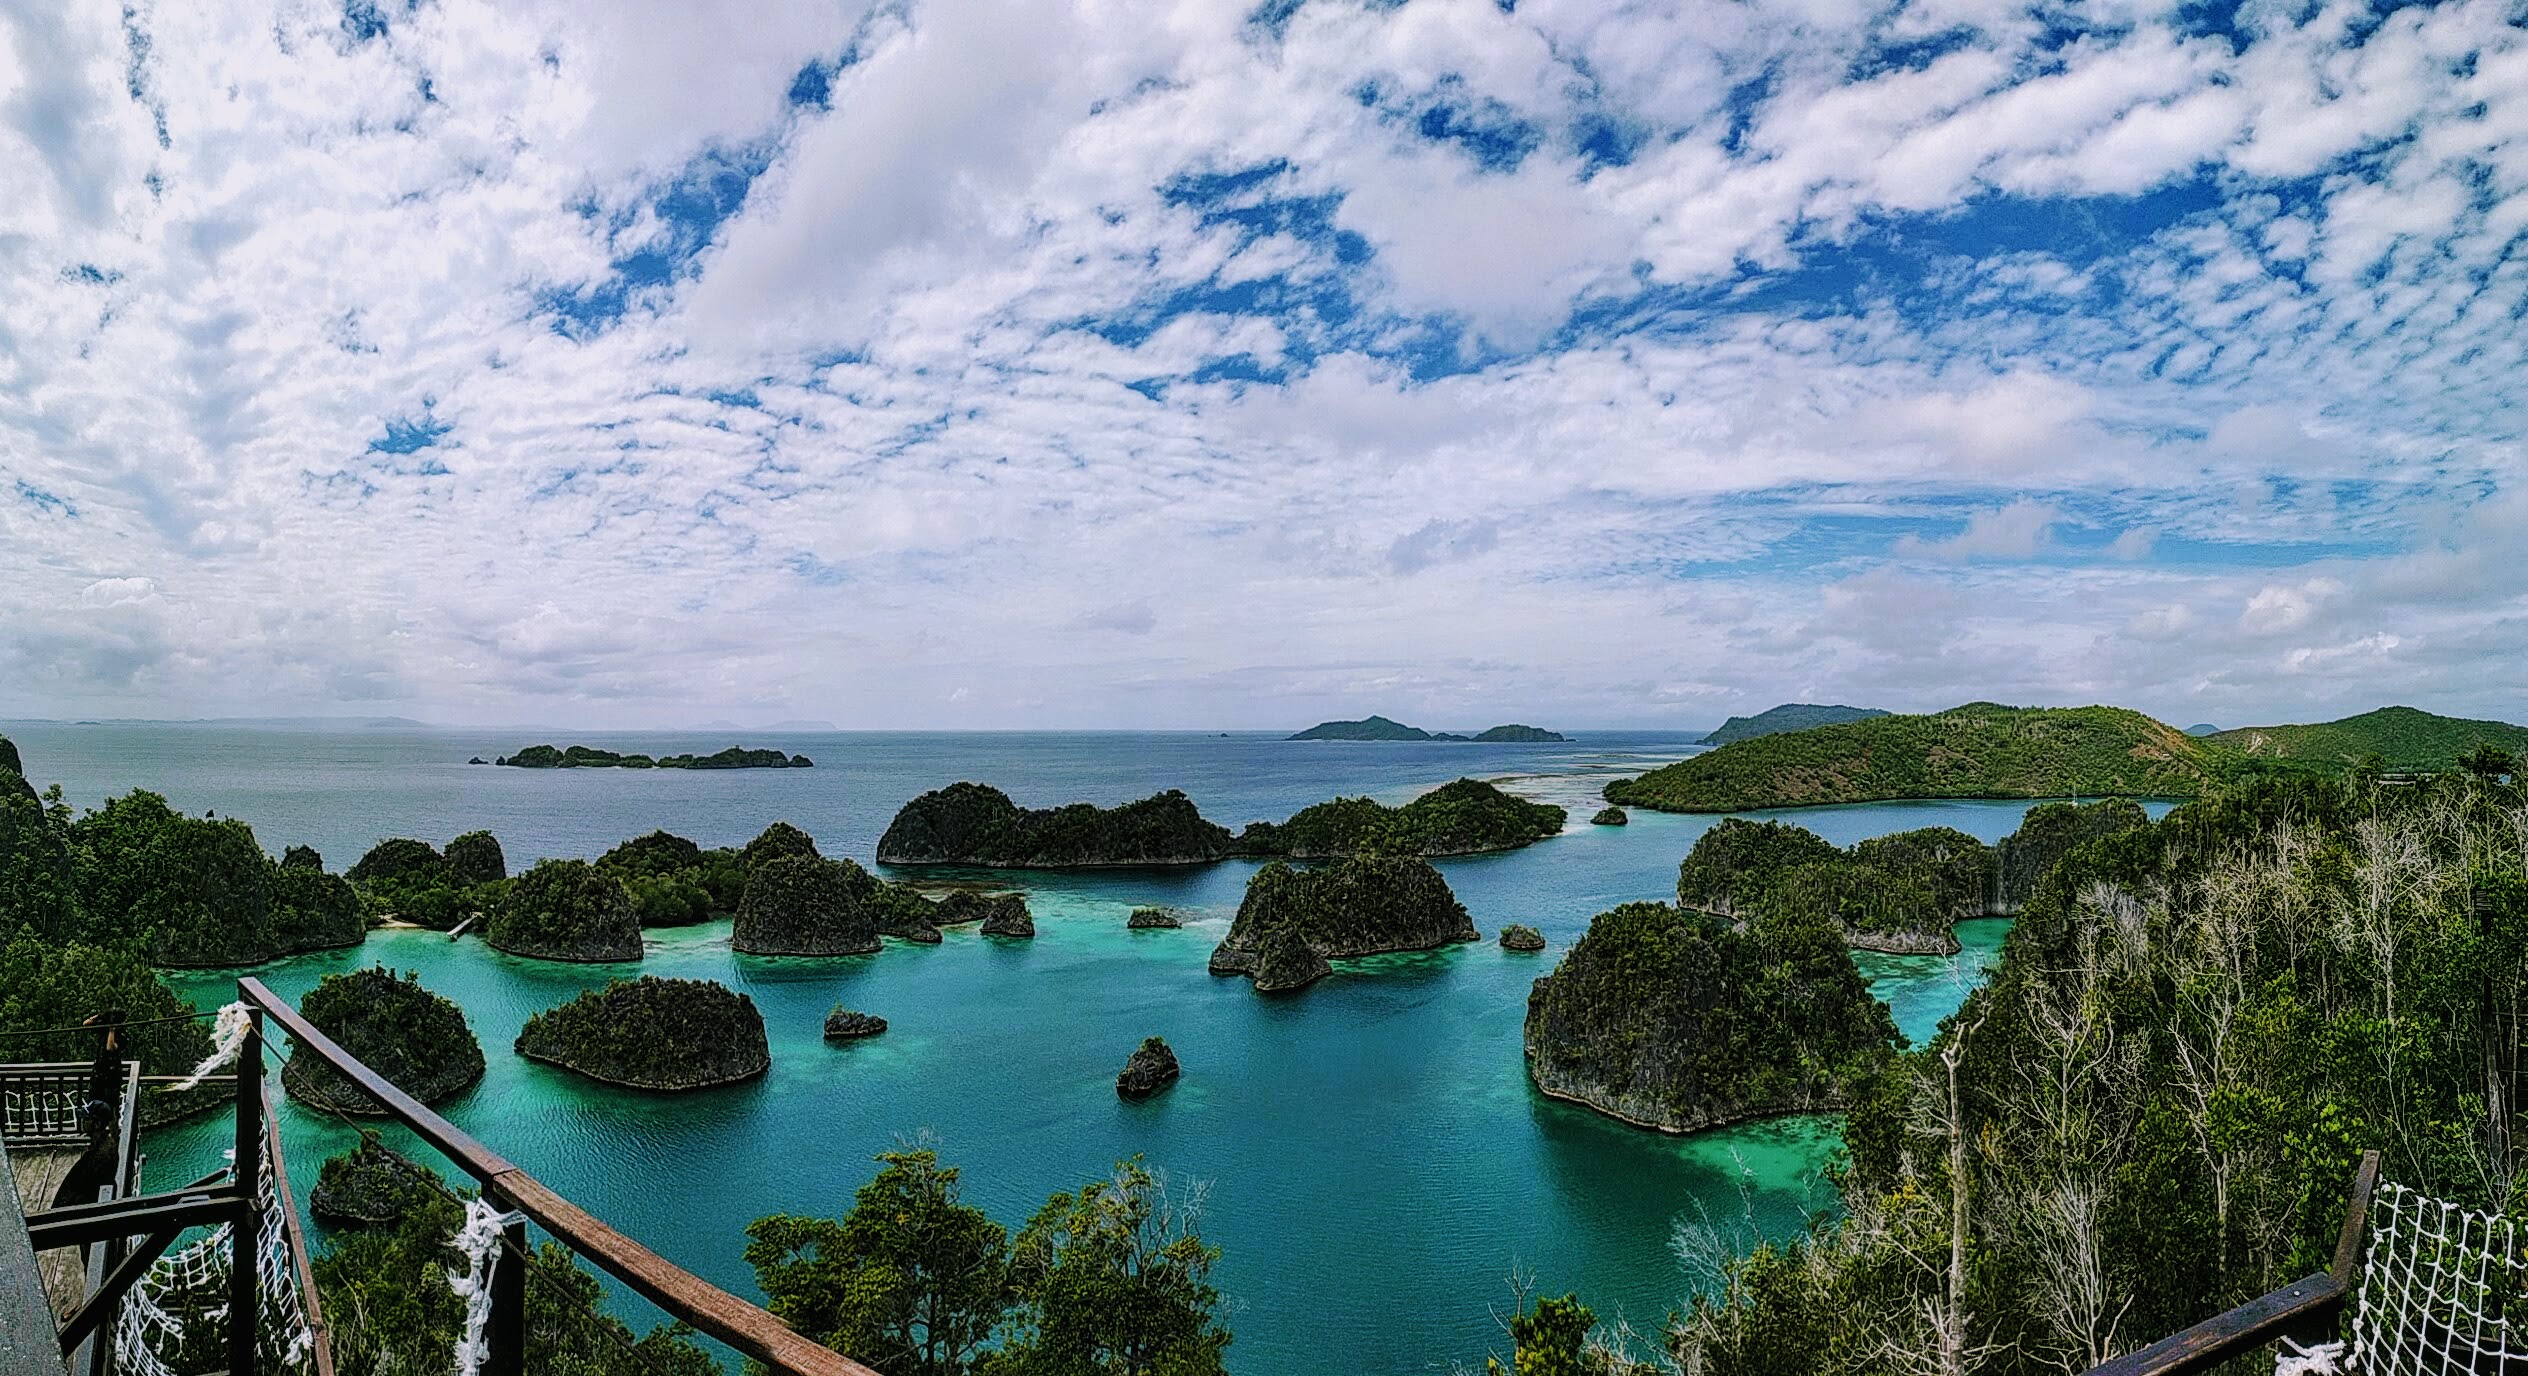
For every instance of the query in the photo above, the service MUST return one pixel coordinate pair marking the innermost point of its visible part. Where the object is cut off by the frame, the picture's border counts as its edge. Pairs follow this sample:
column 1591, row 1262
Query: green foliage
column 1114, row 1280
column 653, row 1033
column 567, row 910
column 1732, row 863
column 780, row 841
column 1681, row 1019
column 913, row 1281
column 193, row 891
column 1356, row 907
column 2403, row 738
column 1460, row 818
column 2051, row 831
column 314, row 911
column 302, row 858
column 1900, row 892
column 417, row 1040
column 1790, row 716
column 973, row 824
column 476, row 858
column 676, row 883
column 39, row 890
column 402, row 860
column 46, row 984
column 1980, row 750
column 802, row 905
column 1551, row 1338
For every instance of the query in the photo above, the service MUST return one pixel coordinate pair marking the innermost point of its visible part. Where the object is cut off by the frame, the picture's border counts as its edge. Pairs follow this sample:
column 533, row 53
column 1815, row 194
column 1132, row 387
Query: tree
column 2488, row 761
column 912, row 1281
column 1116, row 1281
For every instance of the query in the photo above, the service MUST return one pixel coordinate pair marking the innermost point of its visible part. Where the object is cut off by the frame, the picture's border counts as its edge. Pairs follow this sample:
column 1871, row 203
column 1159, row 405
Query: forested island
column 1293, row 921
column 414, row 1038
column 977, row 825
column 566, row 910
column 652, row 1033
column 589, row 757
column 1980, row 750
column 1790, row 716
column 1375, row 728
column 1680, row 1020
column 2397, row 738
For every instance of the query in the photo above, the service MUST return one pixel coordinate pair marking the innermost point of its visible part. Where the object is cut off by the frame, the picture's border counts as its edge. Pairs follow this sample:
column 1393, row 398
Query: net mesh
column 175, row 1321
column 39, row 1107
column 2444, row 1289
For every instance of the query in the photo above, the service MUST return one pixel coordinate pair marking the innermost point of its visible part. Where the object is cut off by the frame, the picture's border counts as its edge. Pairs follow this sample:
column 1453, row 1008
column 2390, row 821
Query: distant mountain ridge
column 1980, row 750
column 1376, row 728
column 1790, row 716
column 2402, row 737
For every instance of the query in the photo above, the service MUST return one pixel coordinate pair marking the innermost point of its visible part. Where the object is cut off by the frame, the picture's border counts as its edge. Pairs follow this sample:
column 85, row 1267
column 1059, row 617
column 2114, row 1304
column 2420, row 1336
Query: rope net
column 175, row 1321
column 2444, row 1289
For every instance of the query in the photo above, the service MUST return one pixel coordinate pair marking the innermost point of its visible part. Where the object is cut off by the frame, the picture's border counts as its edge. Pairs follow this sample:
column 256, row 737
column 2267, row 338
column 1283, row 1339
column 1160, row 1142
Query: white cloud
column 2020, row 530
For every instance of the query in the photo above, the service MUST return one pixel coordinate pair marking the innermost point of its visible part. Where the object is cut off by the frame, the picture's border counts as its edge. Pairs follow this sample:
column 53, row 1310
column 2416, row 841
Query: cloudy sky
column 1109, row 364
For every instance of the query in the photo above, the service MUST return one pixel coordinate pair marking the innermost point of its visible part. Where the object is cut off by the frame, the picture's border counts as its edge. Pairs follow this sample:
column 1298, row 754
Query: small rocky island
column 975, row 824
column 369, row 1186
column 1294, row 921
column 1150, row 1069
column 843, row 1025
column 1518, row 936
column 652, row 1033
column 414, row 1038
column 1467, row 817
column 805, row 906
column 1154, row 919
column 1679, row 1020
column 1610, row 816
column 589, row 757
column 1375, row 728
column 567, row 910
column 1009, row 917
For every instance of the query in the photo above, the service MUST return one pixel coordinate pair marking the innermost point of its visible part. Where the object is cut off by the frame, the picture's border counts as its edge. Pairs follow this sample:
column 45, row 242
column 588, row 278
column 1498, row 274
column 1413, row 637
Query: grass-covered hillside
column 2402, row 738
column 1981, row 750
column 1790, row 716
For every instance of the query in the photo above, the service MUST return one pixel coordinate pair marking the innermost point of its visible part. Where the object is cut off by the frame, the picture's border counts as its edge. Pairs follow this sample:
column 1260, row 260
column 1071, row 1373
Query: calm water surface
column 1376, row 1164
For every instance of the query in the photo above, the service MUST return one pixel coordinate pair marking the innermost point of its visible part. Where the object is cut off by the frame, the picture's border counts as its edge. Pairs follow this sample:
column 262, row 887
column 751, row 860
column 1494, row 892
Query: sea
column 1366, row 1153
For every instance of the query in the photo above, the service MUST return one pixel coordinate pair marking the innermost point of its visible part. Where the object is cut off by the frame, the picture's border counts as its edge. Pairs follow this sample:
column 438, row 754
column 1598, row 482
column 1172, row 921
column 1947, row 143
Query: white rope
column 477, row 1240
column 2443, row 1290
column 193, row 1283
column 2317, row 1359
column 228, row 1036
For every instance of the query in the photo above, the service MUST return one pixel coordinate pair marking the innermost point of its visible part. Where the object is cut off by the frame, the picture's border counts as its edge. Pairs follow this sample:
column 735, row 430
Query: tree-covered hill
column 1790, row 716
column 1465, row 817
column 2402, row 737
column 1980, row 750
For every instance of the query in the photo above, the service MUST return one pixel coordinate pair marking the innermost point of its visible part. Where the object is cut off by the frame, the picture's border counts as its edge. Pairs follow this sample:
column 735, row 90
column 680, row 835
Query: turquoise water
column 1375, row 1163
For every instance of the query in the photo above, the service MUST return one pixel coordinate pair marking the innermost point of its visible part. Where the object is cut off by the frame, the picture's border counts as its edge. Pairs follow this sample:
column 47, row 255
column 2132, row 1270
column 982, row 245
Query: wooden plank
column 29, row 1342
column 2244, row 1329
column 2365, row 1182
column 320, row 1342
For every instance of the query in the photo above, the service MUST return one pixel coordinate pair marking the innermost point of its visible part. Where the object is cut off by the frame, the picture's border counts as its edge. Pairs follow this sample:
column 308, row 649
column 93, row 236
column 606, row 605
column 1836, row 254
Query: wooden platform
column 38, row 1172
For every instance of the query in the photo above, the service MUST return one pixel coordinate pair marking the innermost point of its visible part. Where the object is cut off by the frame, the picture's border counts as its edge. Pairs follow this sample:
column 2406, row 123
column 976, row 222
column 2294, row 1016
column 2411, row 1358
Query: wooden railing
column 746, row 1327
column 2308, row 1311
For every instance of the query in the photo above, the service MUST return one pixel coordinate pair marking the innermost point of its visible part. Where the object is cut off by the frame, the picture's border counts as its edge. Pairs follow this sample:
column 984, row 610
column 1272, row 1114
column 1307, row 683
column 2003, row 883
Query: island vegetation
column 1376, row 728
column 1790, row 716
column 566, row 910
column 806, row 906
column 975, row 824
column 1113, row 1279
column 652, row 1033
column 1294, row 921
column 1610, row 816
column 1466, row 817
column 1154, row 919
column 1518, row 936
column 1680, row 1020
column 2396, row 738
column 589, row 757
column 401, row 879
column 844, row 1024
column 371, row 1185
column 417, row 1040
column 1150, row 1068
column 1980, row 750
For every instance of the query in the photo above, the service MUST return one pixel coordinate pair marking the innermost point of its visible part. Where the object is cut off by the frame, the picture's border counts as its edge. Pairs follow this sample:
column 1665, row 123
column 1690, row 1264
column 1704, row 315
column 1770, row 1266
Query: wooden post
column 245, row 1238
column 509, row 1300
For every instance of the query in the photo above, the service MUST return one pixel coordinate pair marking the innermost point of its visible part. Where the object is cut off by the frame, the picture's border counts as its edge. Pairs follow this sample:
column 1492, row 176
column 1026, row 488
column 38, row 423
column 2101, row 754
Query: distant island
column 1980, row 750
column 2404, row 738
column 976, row 824
column 1382, row 729
column 1790, row 716
column 589, row 757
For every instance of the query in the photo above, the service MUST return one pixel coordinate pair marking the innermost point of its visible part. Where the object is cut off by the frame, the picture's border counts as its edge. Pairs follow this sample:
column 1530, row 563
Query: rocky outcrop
column 1362, row 906
column 2049, row 832
column 1611, row 817
column 973, row 824
column 779, row 841
column 476, row 858
column 414, row 1038
column 566, row 910
column 844, row 1025
column 1154, row 919
column 803, row 906
column 1150, row 1069
column 371, row 1186
column 1466, row 817
column 1009, row 917
column 400, row 860
column 1520, row 937
column 315, row 911
column 1680, row 1020
column 652, row 1033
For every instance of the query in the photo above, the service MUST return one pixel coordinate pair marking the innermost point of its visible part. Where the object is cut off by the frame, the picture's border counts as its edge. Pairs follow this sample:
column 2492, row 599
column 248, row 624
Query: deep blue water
column 1375, row 1162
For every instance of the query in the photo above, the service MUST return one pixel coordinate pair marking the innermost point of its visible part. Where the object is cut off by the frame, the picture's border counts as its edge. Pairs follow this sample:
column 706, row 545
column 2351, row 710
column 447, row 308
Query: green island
column 1465, row 817
column 1980, row 750
column 589, row 757
column 566, row 910
column 1293, row 921
column 371, row 1184
column 2397, row 738
column 1150, row 1068
column 414, row 1038
column 1376, row 728
column 652, row 1033
column 1678, row 1020
column 1790, row 716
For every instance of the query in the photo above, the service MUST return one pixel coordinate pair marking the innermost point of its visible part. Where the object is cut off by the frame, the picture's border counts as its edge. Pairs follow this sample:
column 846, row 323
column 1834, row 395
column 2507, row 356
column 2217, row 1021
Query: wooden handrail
column 749, row 1328
column 2307, row 1309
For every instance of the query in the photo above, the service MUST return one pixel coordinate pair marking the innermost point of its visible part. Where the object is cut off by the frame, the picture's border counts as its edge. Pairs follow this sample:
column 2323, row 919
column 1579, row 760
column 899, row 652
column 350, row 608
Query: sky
column 1194, row 365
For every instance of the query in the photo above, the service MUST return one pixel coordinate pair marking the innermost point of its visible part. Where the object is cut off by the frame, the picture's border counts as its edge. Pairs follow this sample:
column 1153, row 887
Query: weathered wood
column 79, row 1224
column 245, row 1239
column 28, row 1340
column 320, row 1342
column 109, row 1292
column 2309, row 1300
column 2365, row 1182
column 748, row 1328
